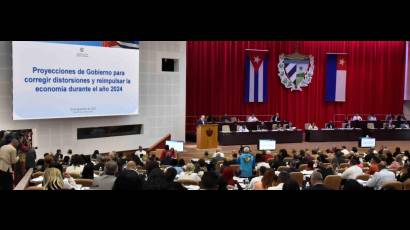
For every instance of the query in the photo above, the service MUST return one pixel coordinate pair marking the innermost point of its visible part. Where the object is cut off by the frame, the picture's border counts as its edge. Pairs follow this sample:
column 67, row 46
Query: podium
column 207, row 136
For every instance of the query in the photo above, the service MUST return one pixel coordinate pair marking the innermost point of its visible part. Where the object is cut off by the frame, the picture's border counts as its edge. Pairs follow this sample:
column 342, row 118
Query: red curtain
column 216, row 74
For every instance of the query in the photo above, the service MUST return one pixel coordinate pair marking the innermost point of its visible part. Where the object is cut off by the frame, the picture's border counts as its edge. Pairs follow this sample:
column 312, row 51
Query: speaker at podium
column 207, row 136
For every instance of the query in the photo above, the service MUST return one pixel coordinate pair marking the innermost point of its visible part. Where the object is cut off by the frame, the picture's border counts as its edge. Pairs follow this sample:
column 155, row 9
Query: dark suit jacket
column 31, row 159
column 199, row 122
column 274, row 118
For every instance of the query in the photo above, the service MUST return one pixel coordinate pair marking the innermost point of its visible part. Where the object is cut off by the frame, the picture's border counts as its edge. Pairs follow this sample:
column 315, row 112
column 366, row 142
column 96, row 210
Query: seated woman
column 283, row 178
column 53, row 180
column 48, row 160
column 269, row 179
column 189, row 173
column 76, row 167
column 227, row 175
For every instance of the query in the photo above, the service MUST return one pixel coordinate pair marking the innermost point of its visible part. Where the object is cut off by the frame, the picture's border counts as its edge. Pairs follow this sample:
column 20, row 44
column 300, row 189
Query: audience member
column 352, row 185
column 128, row 180
column 170, row 174
column 382, row 177
column 353, row 171
column 247, row 163
column 106, row 181
column 316, row 181
column 189, row 173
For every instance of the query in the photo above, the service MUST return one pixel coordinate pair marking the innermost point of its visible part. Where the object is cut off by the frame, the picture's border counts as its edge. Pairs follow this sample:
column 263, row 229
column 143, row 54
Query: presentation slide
column 267, row 145
column 177, row 145
column 367, row 142
column 58, row 79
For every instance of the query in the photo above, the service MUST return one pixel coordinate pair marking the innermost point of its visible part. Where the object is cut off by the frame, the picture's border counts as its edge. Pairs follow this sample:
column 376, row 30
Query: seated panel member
column 389, row 117
column 225, row 118
column 312, row 126
column 347, row 124
column 202, row 121
column 401, row 119
column 276, row 118
column 330, row 125
column 371, row 117
column 242, row 128
column 252, row 118
column 357, row 117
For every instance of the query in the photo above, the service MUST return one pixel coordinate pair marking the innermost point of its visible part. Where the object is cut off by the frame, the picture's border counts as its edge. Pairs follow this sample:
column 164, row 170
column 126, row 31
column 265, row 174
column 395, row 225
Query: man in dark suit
column 330, row 125
column 31, row 158
column 202, row 121
column 276, row 117
column 225, row 119
column 316, row 181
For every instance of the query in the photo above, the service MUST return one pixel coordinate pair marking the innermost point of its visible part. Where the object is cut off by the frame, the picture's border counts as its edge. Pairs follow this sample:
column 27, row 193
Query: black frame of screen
column 109, row 131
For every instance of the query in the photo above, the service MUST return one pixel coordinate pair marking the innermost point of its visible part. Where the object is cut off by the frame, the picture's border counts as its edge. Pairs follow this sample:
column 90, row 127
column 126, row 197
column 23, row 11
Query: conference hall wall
column 216, row 79
column 162, row 106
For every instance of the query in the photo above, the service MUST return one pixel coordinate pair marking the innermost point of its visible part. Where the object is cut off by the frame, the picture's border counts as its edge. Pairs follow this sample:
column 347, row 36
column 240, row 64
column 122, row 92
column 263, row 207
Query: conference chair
column 298, row 177
column 333, row 182
column 37, row 174
column 370, row 125
column 344, row 165
column 302, row 167
column 84, row 182
column 394, row 184
column 226, row 129
column 34, row 188
column 344, row 125
column 364, row 176
column 406, row 184
column 282, row 168
column 75, row 175
column 188, row 182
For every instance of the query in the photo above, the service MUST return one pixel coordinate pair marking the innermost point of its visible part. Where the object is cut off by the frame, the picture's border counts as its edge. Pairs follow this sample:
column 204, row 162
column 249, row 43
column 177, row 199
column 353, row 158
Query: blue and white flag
column 336, row 71
column 256, row 75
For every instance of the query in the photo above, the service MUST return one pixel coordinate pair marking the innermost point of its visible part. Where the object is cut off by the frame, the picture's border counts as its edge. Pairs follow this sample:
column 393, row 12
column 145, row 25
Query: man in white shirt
column 312, row 126
column 371, row 117
column 140, row 152
column 357, row 117
column 242, row 128
column 353, row 171
column 381, row 177
column 218, row 151
column 252, row 118
column 345, row 151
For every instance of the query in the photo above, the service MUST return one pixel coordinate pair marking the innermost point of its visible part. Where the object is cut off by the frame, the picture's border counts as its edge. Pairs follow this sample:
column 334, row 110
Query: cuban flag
column 122, row 44
column 256, row 75
column 336, row 77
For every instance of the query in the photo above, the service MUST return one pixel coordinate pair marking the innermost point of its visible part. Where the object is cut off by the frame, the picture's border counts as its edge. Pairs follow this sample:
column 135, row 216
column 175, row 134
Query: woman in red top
column 228, row 174
column 168, row 153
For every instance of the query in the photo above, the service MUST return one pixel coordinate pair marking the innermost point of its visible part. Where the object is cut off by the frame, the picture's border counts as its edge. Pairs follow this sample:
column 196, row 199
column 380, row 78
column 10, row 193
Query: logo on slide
column 82, row 53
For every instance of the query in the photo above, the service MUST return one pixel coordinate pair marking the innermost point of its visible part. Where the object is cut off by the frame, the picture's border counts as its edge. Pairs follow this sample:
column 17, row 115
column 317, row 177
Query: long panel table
column 250, row 125
column 252, row 138
column 355, row 134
